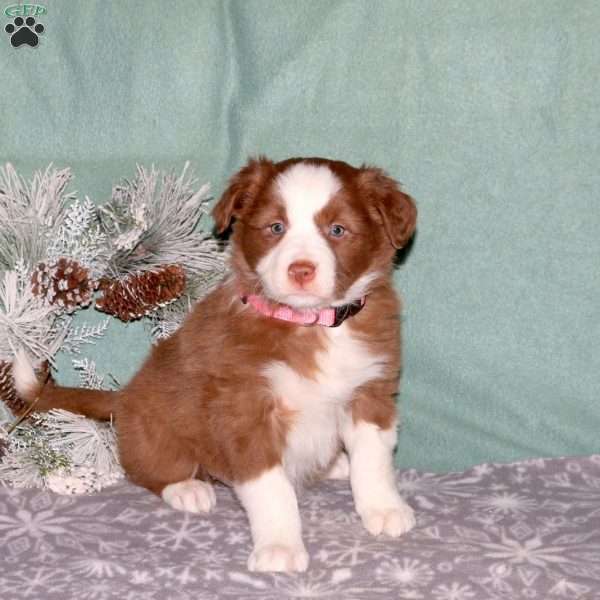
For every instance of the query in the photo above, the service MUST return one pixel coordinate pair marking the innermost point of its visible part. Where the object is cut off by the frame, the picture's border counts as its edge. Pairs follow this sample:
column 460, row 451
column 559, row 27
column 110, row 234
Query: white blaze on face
column 305, row 189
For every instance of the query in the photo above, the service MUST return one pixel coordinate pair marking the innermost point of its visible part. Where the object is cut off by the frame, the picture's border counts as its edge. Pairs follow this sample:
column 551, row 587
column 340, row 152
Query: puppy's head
column 313, row 232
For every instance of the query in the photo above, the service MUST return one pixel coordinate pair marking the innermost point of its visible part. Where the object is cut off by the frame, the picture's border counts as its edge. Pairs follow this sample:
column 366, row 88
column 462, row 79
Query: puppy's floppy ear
column 394, row 209
column 242, row 188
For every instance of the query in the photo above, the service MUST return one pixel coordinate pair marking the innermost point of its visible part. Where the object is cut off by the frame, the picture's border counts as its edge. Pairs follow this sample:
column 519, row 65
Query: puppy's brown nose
column 302, row 271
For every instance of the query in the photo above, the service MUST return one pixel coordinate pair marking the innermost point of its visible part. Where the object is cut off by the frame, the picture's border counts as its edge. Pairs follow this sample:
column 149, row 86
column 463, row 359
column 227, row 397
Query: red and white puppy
column 284, row 372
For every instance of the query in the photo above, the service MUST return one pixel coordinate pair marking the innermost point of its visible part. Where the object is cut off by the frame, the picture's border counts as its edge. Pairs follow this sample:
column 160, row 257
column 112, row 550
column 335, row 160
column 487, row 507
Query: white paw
column 278, row 557
column 340, row 469
column 191, row 495
column 391, row 521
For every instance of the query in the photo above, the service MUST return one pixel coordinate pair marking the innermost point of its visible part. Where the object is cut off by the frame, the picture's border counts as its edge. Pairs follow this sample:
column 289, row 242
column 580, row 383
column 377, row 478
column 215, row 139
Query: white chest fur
column 321, row 403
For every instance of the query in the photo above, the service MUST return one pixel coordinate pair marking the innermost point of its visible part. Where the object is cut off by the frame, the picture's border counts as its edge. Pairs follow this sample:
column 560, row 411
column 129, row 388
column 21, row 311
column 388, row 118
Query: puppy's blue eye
column 336, row 231
column 278, row 228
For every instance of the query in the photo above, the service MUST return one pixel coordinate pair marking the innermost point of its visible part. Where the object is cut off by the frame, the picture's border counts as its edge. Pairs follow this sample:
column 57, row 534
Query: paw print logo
column 24, row 32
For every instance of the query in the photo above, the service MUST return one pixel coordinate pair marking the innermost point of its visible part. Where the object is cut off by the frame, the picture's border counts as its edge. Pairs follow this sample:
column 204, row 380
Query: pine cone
column 8, row 393
column 65, row 283
column 140, row 293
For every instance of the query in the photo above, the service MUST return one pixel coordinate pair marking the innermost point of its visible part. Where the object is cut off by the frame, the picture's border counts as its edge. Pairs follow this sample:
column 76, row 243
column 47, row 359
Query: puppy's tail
column 45, row 395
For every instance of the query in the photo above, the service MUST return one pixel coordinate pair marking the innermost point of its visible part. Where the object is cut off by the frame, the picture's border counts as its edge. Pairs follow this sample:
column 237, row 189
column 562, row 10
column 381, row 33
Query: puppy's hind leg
column 190, row 495
column 164, row 465
column 339, row 468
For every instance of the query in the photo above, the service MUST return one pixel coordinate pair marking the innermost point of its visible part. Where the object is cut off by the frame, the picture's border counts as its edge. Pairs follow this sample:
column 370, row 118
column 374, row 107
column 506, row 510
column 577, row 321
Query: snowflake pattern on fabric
column 526, row 530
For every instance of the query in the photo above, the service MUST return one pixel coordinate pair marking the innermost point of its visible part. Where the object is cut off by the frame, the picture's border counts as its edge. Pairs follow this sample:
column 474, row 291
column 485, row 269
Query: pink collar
column 329, row 317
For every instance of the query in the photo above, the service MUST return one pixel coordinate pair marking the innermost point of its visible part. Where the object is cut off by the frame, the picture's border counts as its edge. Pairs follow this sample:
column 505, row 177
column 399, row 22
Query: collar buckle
column 346, row 311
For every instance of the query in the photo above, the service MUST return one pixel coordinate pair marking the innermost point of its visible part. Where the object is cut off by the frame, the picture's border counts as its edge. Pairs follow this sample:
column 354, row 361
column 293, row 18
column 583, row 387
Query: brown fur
column 199, row 405
column 379, row 328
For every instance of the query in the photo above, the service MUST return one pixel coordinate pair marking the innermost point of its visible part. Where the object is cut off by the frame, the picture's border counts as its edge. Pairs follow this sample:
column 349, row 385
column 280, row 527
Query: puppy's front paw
column 391, row 521
column 191, row 495
column 278, row 557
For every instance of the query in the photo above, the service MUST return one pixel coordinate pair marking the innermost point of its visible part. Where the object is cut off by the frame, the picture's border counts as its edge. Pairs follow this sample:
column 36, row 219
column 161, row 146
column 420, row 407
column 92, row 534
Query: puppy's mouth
column 303, row 300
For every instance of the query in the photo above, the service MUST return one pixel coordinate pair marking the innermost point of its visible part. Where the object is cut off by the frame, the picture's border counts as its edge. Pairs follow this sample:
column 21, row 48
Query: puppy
column 287, row 371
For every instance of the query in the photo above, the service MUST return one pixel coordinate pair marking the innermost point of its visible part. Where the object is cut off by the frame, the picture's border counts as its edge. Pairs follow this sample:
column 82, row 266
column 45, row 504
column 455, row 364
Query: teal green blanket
column 489, row 114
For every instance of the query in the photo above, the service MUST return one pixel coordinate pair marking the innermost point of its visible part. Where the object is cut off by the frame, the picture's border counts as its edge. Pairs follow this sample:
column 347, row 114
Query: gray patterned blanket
column 496, row 532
